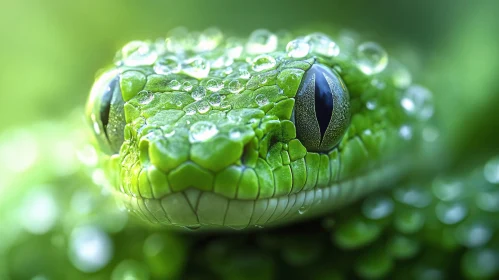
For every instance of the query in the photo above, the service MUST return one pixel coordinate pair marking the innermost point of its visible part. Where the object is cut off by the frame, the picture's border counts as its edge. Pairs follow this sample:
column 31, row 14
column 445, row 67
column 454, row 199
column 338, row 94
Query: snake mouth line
column 193, row 209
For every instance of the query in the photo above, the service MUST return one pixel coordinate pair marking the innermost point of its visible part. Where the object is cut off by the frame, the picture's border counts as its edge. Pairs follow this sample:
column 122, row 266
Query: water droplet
column 401, row 77
column 228, row 71
column 174, row 84
column 430, row 134
column 447, row 191
column 196, row 67
column 39, row 212
column 318, row 196
column 190, row 111
column 154, row 134
column 491, row 171
column 371, row 105
column 473, row 235
column 130, row 270
column 417, row 101
column 137, row 53
column 199, row 93
column 235, row 86
column 193, row 227
column 225, row 105
column 261, row 100
column 414, row 196
column 82, row 201
column 356, row 232
column 169, row 134
column 378, row 84
column 488, row 201
column 208, row 40
column 90, row 248
column 377, row 207
column 297, row 48
column 261, row 41
column 215, row 99
column 202, row 131
column 187, row 86
column 167, row 65
column 160, row 46
column 302, row 210
column 451, row 213
column 222, row 61
column 88, row 155
column 244, row 73
column 233, row 47
column 263, row 62
column 262, row 80
column 235, row 133
column 322, row 44
column 153, row 245
column 203, row 107
column 409, row 221
column 405, row 132
column 371, row 58
column 480, row 263
column 177, row 40
column 145, row 97
column 214, row 85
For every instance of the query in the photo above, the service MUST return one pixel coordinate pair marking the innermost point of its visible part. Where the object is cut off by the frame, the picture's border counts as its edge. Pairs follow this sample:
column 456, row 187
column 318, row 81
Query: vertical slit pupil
column 323, row 100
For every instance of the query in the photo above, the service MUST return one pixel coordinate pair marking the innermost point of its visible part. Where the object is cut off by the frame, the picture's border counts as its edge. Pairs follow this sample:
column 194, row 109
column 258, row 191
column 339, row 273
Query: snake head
column 234, row 135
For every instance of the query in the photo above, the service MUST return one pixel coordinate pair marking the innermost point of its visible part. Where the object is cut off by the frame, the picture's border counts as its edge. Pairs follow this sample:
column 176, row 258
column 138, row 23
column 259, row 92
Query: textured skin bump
column 205, row 127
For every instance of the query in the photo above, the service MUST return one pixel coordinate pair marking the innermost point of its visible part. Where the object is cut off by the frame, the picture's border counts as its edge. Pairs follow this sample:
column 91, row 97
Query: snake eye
column 322, row 109
column 107, row 113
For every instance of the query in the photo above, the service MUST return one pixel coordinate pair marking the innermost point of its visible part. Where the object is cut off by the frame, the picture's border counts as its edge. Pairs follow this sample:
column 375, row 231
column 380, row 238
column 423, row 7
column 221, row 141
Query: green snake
column 224, row 132
column 313, row 148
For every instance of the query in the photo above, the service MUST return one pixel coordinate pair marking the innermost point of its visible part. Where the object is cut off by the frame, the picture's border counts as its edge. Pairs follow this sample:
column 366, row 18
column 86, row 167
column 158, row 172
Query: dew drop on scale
column 235, row 86
column 202, row 131
column 261, row 100
column 302, row 210
column 214, row 85
column 196, row 67
column 167, row 65
column 174, row 84
column 322, row 44
column 203, row 107
column 298, row 48
column 371, row 58
column 198, row 93
column 145, row 97
column 137, row 53
column 261, row 41
column 491, row 171
column 208, row 40
column 215, row 99
column 263, row 62
column 417, row 101
column 187, row 86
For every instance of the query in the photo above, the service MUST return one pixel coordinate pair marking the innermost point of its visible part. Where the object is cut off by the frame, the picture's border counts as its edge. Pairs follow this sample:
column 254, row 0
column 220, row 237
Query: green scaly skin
column 253, row 171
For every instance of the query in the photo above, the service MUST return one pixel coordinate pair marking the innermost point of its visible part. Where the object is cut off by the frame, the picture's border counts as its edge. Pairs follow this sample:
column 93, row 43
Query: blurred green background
column 51, row 49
